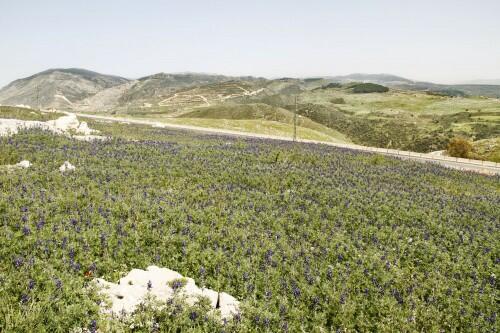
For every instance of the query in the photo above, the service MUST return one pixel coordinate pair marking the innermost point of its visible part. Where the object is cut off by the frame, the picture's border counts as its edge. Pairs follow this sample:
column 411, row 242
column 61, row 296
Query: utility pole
column 38, row 97
column 295, row 120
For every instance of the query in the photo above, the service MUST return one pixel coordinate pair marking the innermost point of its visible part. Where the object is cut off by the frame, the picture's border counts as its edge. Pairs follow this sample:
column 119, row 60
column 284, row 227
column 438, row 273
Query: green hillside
column 363, row 113
column 12, row 112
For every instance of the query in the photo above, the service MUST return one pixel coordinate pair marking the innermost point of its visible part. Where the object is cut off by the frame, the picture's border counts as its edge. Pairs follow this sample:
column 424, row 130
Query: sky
column 444, row 41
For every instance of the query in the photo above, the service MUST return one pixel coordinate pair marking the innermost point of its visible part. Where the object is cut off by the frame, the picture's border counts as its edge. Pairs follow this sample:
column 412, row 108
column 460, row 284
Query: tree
column 459, row 147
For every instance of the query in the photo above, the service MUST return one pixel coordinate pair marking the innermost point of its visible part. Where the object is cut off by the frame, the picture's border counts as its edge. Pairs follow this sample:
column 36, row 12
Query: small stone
column 24, row 164
column 66, row 166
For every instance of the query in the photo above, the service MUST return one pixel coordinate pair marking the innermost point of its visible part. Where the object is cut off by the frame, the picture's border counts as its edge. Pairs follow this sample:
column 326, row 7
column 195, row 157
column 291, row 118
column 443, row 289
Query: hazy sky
column 437, row 40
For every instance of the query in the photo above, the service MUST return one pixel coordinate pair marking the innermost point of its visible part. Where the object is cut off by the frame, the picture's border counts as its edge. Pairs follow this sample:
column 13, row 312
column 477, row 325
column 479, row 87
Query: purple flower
column 31, row 284
column 18, row 262
column 26, row 231
column 24, row 298
column 177, row 284
column 329, row 273
column 93, row 326
column 40, row 224
column 58, row 283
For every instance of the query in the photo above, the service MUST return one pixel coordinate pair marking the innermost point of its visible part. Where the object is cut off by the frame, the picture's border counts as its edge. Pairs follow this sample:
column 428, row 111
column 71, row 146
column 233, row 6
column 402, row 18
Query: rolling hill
column 57, row 88
column 400, row 113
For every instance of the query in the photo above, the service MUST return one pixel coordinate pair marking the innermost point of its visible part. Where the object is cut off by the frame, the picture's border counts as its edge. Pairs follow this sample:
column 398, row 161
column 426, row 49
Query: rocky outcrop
column 67, row 125
column 164, row 284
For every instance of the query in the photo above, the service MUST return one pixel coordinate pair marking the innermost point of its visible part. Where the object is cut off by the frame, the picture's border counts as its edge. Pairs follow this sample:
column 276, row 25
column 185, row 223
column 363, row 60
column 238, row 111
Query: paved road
column 461, row 164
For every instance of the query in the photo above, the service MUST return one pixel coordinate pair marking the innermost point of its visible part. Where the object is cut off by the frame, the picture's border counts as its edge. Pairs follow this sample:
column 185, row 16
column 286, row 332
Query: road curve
column 489, row 168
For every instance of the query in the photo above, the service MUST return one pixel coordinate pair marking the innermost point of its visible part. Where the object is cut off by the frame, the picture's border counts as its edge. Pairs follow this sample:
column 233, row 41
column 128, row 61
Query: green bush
column 459, row 147
column 367, row 88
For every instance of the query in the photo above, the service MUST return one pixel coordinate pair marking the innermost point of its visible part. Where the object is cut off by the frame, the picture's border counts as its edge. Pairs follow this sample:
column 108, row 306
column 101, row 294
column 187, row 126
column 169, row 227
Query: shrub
column 459, row 147
column 447, row 93
column 338, row 100
column 367, row 88
column 332, row 85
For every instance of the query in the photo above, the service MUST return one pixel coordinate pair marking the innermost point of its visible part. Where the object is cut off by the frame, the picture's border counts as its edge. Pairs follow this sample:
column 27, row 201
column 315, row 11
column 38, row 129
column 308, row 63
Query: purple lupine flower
column 40, row 224
column 26, row 231
column 296, row 291
column 315, row 301
column 329, row 273
column 93, row 326
column 31, row 284
column 24, row 298
column 18, row 262
column 58, row 283
column 177, row 284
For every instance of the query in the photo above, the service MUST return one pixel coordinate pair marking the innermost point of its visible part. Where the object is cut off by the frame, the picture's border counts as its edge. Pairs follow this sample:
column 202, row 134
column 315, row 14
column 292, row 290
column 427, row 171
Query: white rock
column 24, row 164
column 212, row 295
column 132, row 289
column 228, row 305
column 68, row 125
column 84, row 129
column 90, row 138
column 66, row 166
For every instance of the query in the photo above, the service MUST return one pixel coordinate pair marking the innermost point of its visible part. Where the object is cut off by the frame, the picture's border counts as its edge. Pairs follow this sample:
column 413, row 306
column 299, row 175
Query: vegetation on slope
column 12, row 112
column 307, row 237
column 368, row 88
column 459, row 147
column 488, row 149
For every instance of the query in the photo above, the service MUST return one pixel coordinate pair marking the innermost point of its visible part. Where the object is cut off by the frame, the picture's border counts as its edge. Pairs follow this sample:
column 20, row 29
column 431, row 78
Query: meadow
column 309, row 238
column 11, row 112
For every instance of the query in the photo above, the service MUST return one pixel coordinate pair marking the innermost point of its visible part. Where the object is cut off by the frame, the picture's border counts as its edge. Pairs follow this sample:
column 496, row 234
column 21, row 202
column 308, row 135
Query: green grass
column 266, row 127
column 488, row 149
column 11, row 112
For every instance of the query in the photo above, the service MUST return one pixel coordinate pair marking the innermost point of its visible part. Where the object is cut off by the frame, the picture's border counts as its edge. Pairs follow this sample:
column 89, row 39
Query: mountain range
column 84, row 90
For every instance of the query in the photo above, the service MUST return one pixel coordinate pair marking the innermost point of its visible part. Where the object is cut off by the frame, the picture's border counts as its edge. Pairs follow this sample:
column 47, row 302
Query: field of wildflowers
column 309, row 238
